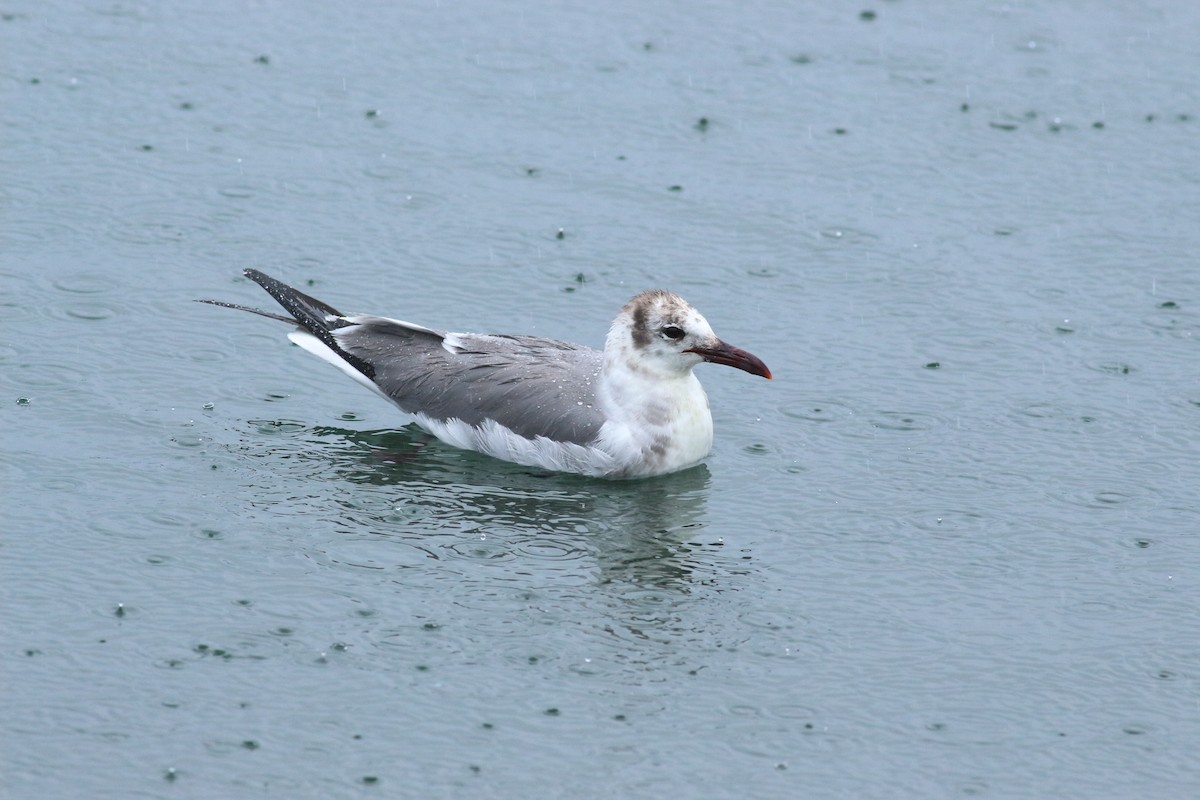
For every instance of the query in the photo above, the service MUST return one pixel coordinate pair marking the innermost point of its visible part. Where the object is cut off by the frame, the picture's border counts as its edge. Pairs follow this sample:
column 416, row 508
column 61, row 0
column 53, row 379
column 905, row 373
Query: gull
column 633, row 410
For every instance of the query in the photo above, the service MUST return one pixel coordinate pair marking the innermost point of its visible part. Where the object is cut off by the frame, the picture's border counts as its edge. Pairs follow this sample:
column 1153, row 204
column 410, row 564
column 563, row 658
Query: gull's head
column 662, row 333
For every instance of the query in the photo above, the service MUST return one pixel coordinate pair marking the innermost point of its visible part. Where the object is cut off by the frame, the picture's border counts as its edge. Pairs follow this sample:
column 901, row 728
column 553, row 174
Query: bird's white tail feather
column 326, row 353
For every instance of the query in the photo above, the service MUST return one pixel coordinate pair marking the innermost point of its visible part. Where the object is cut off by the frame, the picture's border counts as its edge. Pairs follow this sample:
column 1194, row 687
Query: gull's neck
column 658, row 418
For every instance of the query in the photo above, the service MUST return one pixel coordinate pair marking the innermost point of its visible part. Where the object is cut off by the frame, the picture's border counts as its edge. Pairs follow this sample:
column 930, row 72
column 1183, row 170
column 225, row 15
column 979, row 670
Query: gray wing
column 532, row 386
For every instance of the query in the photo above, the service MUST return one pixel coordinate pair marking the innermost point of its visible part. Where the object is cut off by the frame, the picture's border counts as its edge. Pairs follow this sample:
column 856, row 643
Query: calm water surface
column 950, row 550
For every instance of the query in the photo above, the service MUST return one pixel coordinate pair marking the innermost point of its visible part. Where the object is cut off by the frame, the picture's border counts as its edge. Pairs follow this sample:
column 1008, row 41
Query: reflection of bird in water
column 635, row 565
column 421, row 491
column 634, row 409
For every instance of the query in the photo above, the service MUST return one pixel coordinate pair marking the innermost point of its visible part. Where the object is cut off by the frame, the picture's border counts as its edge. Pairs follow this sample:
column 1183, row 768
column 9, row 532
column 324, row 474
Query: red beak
column 731, row 356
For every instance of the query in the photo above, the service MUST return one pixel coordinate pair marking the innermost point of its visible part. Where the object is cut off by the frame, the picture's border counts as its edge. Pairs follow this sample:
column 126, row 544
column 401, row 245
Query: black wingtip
column 290, row 297
column 315, row 316
column 237, row 307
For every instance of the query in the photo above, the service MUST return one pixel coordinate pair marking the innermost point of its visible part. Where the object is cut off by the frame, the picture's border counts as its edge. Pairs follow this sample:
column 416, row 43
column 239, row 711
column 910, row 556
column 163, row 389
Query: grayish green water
column 951, row 550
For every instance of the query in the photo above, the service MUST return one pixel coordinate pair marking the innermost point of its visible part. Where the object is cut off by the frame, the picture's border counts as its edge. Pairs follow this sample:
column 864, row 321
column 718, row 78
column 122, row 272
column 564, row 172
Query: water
column 949, row 550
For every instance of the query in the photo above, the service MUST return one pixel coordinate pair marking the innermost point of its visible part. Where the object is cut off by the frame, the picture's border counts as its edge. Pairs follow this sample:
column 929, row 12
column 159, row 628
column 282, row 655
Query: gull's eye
column 672, row 332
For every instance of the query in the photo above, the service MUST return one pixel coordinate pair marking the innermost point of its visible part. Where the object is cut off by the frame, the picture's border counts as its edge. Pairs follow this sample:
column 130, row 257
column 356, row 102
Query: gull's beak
column 730, row 356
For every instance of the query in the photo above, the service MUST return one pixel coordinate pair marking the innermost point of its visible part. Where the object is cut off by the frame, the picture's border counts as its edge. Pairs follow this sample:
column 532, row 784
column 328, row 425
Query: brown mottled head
column 640, row 332
column 660, row 332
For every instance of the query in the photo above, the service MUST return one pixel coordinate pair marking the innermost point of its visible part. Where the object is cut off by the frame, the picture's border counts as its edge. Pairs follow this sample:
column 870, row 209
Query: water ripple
column 85, row 283
column 154, row 224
